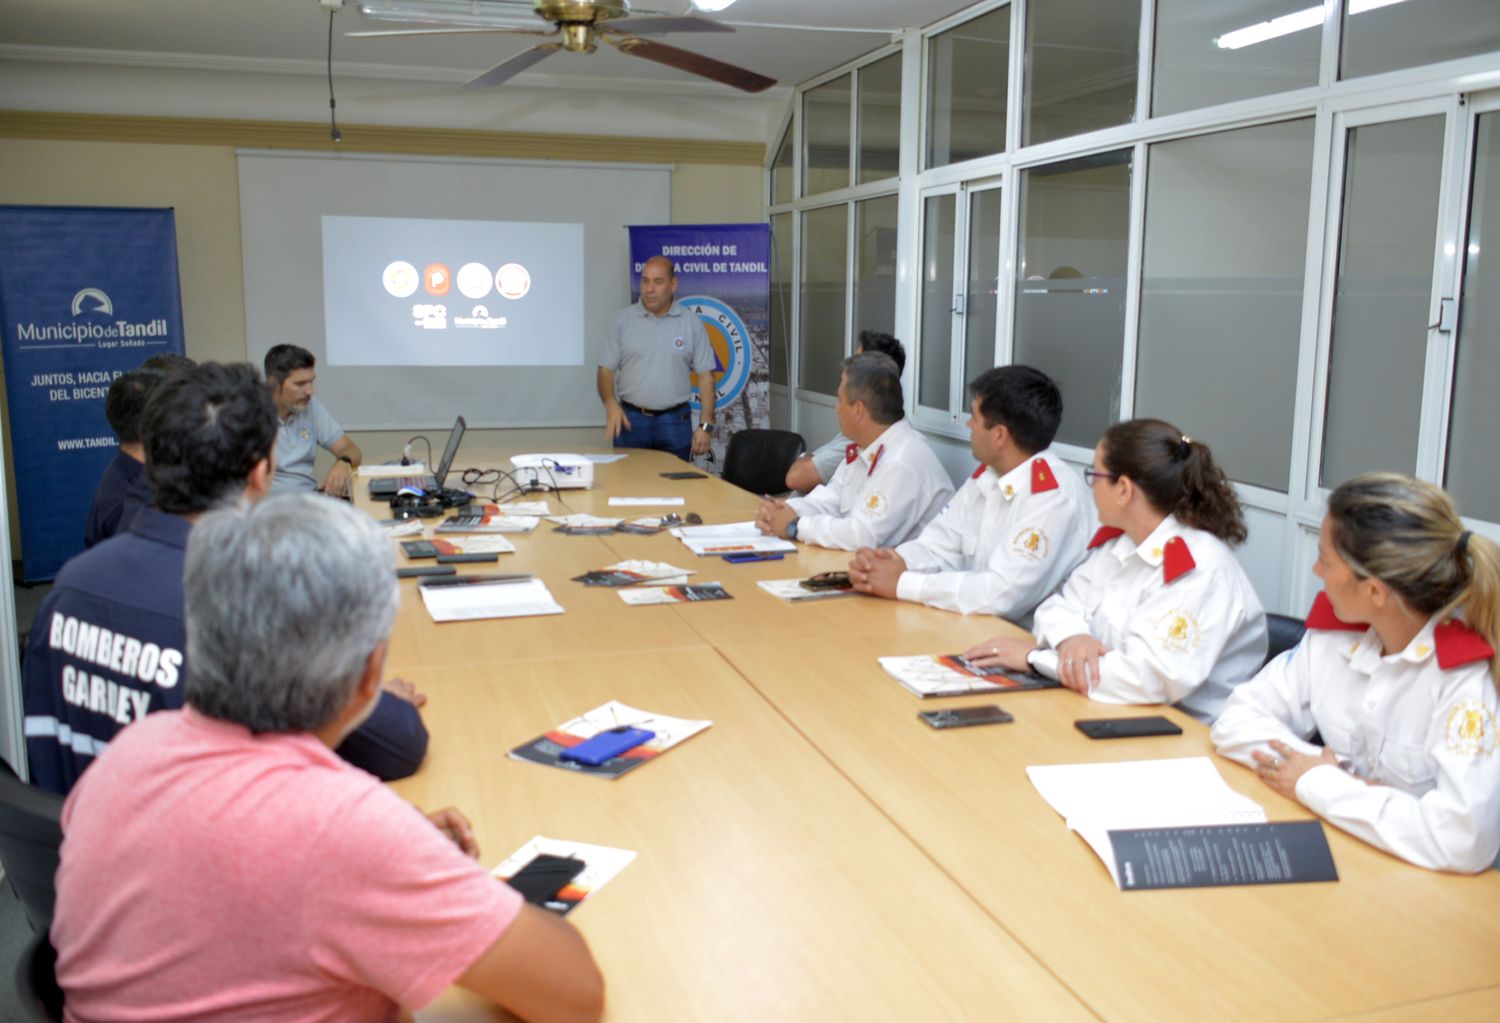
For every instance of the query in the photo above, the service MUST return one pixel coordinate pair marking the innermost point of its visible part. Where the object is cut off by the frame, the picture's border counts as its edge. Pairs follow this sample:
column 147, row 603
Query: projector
column 546, row 472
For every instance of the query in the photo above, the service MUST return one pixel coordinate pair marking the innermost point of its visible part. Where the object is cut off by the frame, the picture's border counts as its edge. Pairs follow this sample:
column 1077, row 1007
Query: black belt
column 679, row 407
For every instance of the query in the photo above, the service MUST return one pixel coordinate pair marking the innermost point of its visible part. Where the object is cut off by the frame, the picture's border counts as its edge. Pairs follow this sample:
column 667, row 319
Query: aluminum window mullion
column 1134, row 284
column 1145, row 61
column 1449, row 258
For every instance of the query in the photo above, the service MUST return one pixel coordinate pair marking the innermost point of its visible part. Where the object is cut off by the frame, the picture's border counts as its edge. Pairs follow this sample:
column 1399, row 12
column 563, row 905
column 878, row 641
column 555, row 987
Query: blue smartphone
column 744, row 556
column 607, row 745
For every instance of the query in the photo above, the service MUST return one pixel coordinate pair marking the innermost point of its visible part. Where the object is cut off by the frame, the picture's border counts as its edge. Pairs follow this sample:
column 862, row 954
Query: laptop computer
column 387, row 486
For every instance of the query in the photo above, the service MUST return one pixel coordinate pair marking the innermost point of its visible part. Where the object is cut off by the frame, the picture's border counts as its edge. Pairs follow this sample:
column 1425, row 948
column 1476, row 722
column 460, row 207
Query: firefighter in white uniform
column 1161, row 612
column 1013, row 531
column 1397, row 676
column 889, row 484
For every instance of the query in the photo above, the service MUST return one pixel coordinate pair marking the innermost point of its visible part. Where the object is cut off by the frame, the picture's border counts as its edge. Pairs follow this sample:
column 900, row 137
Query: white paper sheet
column 474, row 601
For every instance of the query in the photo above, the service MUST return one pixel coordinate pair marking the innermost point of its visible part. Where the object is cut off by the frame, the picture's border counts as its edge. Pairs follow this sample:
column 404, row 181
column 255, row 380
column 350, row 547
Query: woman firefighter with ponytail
column 1396, row 674
column 1160, row 611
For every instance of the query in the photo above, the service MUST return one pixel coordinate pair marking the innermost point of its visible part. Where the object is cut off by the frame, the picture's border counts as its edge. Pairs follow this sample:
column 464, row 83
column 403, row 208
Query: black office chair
column 1282, row 633
column 757, row 460
column 30, row 834
column 36, row 982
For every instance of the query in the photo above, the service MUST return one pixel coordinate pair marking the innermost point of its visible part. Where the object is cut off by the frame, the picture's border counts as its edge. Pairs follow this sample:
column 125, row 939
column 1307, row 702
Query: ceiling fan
column 578, row 24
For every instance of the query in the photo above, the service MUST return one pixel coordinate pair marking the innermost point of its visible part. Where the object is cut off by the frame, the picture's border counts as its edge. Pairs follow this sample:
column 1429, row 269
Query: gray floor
column 15, row 935
column 15, row 931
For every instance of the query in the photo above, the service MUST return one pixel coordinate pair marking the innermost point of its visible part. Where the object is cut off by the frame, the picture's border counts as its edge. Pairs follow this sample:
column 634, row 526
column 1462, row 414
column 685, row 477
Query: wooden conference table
column 820, row 854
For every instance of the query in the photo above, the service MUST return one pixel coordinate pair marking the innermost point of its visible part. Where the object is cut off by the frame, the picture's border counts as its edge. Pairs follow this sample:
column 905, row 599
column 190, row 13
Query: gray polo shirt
column 297, row 443
column 652, row 356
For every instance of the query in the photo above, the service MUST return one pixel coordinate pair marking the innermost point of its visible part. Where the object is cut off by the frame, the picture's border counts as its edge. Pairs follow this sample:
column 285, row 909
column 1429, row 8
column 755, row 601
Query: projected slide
column 400, row 292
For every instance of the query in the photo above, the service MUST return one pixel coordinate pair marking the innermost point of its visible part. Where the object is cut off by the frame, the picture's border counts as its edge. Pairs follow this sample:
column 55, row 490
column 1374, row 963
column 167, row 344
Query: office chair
column 30, row 834
column 36, row 982
column 757, row 460
column 1282, row 633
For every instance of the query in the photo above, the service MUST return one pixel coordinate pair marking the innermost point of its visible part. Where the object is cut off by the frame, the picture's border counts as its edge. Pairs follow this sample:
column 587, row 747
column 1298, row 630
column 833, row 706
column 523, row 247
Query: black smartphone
column 419, row 548
column 828, row 581
column 962, row 717
column 684, row 476
column 415, row 571
column 464, row 559
column 541, row 879
column 1126, row 728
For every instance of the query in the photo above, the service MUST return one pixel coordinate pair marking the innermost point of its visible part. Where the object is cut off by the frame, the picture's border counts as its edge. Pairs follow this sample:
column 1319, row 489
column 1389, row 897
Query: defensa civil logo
column 94, row 325
column 731, row 344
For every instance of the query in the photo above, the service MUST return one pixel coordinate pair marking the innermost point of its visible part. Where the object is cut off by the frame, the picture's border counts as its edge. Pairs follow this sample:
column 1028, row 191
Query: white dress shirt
column 1422, row 735
column 878, row 497
column 1182, row 626
column 1003, row 543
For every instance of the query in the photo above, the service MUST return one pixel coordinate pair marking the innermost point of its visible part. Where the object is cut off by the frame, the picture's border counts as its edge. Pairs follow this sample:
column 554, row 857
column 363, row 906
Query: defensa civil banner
column 86, row 293
column 723, row 275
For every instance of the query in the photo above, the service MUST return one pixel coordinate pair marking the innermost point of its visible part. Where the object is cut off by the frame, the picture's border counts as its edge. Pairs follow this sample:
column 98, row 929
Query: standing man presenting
column 645, row 371
column 305, row 426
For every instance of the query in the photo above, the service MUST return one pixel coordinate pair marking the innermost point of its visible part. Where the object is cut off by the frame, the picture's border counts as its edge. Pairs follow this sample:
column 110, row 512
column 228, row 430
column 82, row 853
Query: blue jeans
column 668, row 431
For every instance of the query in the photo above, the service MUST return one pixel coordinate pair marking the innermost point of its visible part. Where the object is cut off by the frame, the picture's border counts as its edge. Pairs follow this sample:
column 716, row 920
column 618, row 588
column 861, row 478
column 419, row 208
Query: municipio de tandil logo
column 94, row 324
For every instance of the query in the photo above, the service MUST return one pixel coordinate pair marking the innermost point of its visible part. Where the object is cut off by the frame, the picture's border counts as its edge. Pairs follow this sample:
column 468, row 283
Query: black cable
column 333, row 118
column 423, row 438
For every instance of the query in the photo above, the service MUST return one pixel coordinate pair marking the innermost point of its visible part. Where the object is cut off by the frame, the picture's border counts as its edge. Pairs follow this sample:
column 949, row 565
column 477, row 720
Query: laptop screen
column 452, row 449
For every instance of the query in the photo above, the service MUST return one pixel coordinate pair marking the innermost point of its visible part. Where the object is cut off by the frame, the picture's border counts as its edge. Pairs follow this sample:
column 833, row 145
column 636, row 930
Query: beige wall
column 200, row 182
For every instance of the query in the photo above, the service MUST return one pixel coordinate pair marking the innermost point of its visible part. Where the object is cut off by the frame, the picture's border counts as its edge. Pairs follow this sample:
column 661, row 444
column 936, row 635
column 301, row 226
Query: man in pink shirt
column 221, row 862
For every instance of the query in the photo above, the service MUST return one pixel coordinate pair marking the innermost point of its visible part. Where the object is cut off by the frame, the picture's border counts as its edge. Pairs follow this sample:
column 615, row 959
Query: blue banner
column 723, row 275
column 86, row 293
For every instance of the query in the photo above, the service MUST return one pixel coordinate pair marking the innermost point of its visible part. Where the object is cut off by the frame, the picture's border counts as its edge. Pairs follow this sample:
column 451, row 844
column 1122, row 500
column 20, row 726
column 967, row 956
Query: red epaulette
column 1176, row 559
column 1322, row 617
column 979, row 471
column 1104, row 536
column 851, row 452
column 1042, row 477
column 1457, row 645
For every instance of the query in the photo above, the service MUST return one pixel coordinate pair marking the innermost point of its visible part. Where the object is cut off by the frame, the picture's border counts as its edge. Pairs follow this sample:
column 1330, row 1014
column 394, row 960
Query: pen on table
column 472, row 580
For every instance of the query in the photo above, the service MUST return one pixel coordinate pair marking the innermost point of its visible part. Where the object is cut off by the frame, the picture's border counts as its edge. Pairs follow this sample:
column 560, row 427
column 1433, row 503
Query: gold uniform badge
column 1177, row 632
column 874, row 505
column 1031, row 544
column 1470, row 729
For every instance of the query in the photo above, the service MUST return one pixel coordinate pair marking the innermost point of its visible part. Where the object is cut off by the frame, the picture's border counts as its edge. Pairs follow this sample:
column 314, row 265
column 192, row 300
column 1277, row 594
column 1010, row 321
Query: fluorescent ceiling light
column 1297, row 21
column 711, row 5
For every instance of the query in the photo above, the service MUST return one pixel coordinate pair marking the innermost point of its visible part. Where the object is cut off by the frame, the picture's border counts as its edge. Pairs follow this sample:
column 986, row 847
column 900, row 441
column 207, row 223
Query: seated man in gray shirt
column 305, row 426
column 818, row 466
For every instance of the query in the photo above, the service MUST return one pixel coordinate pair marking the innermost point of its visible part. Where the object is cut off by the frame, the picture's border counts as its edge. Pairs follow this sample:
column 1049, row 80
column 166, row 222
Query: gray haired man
column 291, row 883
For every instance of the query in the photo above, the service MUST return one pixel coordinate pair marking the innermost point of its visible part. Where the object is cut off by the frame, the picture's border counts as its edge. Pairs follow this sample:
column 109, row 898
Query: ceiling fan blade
column 375, row 33
column 508, row 69
column 693, row 63
column 661, row 26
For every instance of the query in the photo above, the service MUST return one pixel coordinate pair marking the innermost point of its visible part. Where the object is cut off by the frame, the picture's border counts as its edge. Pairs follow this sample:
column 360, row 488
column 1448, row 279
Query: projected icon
column 437, row 279
column 400, row 279
column 474, row 280
column 513, row 281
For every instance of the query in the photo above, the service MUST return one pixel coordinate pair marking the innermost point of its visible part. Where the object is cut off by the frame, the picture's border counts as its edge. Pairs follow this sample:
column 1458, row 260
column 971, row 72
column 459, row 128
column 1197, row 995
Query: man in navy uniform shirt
column 123, row 406
column 107, row 645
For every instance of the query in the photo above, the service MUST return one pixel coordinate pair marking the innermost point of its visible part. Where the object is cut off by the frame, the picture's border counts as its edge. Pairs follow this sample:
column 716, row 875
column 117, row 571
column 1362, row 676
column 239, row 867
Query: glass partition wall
column 1264, row 220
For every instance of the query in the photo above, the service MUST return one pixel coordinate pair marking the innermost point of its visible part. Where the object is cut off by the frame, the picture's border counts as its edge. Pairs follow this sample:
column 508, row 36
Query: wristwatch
column 791, row 529
column 706, row 427
column 346, row 460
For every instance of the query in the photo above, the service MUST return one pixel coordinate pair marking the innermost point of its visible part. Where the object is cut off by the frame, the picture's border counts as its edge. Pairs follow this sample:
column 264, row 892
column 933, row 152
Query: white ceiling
column 247, row 34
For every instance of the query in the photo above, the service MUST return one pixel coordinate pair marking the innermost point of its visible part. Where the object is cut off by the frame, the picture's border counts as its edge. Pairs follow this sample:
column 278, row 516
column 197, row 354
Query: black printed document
column 1155, row 803
column 1209, row 856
